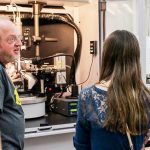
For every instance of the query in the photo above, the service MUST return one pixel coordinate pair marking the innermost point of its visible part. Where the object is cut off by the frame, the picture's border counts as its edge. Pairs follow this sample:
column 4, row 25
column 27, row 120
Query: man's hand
column 12, row 72
column 15, row 77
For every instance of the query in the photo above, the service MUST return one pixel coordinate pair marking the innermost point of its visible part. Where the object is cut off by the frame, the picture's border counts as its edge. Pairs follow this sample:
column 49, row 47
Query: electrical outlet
column 93, row 47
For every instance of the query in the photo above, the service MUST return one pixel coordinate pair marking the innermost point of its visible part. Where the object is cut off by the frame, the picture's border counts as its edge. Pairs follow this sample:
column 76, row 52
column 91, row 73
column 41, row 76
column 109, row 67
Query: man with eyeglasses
column 11, row 113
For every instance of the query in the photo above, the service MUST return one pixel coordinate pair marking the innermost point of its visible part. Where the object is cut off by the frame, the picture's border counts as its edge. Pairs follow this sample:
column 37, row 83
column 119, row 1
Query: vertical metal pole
column 100, row 31
column 102, row 27
column 103, row 11
column 36, row 12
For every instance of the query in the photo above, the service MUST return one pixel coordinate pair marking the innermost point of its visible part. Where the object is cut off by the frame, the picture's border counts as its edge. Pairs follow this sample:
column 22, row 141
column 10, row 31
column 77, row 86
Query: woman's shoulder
column 93, row 103
column 86, row 90
column 92, row 91
column 93, row 97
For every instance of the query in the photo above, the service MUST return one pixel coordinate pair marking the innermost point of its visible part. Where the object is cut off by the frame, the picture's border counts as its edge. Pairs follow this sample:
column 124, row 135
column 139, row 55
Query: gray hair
column 5, row 23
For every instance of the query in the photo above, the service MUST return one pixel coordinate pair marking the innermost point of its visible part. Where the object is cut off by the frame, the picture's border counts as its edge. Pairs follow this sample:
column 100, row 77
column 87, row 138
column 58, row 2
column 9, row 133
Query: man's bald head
column 10, row 43
column 5, row 23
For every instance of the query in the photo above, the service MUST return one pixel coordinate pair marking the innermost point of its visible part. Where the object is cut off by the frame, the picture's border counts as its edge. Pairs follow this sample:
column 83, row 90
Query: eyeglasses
column 13, row 38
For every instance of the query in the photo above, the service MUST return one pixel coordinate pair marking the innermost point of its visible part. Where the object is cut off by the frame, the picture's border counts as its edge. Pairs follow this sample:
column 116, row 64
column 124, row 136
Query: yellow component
column 18, row 101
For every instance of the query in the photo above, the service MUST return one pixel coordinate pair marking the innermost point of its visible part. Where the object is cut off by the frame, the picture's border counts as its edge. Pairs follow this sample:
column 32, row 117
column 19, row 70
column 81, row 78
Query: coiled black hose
column 69, row 21
column 66, row 19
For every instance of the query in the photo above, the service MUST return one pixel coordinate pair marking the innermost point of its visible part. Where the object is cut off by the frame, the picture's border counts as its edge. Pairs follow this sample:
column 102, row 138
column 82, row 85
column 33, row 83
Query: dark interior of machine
column 51, row 29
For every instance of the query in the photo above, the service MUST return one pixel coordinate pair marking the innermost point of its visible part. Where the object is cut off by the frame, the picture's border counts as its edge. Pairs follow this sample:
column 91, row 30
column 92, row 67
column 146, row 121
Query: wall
column 119, row 15
column 147, row 36
column 88, row 24
column 129, row 15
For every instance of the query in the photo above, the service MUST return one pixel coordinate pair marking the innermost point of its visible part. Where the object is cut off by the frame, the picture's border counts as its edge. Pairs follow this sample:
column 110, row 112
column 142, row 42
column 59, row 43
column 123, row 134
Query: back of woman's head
column 121, row 66
column 121, row 56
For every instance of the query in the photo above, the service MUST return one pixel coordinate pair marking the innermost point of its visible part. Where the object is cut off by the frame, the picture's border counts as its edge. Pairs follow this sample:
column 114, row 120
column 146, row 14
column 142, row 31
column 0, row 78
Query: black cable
column 88, row 74
column 68, row 20
column 38, row 60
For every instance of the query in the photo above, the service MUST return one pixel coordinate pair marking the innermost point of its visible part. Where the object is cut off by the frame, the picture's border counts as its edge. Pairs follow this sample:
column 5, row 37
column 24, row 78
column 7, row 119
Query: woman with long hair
column 114, row 113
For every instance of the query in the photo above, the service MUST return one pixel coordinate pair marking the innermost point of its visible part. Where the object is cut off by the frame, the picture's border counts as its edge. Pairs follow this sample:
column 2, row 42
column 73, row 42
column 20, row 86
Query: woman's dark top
column 90, row 133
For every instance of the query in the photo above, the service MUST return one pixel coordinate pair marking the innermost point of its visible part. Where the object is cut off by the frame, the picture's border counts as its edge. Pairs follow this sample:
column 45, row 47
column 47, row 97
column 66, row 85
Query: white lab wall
column 88, row 24
column 148, row 55
column 129, row 15
column 147, row 25
column 119, row 16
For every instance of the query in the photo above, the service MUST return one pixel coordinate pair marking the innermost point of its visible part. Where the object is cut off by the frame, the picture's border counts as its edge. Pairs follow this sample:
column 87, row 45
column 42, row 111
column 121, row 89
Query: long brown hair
column 126, row 93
